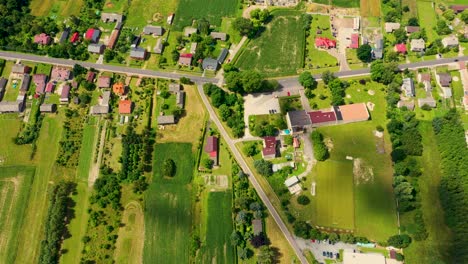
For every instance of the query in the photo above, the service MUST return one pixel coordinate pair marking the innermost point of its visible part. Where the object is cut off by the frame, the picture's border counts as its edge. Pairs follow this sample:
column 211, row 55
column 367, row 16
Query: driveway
column 318, row 248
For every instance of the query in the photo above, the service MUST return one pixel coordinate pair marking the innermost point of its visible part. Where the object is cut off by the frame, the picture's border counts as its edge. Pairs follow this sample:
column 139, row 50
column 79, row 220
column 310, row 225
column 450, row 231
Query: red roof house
column 75, row 37
column 185, row 59
column 211, row 148
column 400, row 48
column 325, row 43
column 125, row 107
column 42, row 39
column 93, row 34
column 269, row 147
column 354, row 41
column 319, row 117
column 90, row 76
column 50, row 87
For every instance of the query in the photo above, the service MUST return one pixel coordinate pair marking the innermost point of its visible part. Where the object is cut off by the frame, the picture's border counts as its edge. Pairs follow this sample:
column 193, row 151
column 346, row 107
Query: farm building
column 96, row 48
column 350, row 257
column 48, row 108
column 11, row 107
column 218, row 35
column 118, row 88
column 188, row 31
column 325, row 43
column 3, row 83
column 138, row 53
column 185, row 59
column 25, row 84
column 103, row 105
column 111, row 18
column 104, row 82
column 257, row 226
column 42, row 39
column 65, row 95
column 211, row 148
column 222, row 56
column 50, row 87
column 113, row 38
column 417, row 45
column 210, row 64
column 458, row 8
column 390, row 27
column 298, row 121
column 159, row 47
column 166, row 119
column 400, row 48
column 174, row 87
column 180, row 99
column 64, row 35
column 40, row 81
column 408, row 104
column 269, row 147
column 427, row 101
column 293, row 184
column 354, row 41
column 450, row 42
column 323, row 117
column 444, row 79
column 125, row 107
column 93, row 35
column 60, row 73
column 408, row 87
column 153, row 30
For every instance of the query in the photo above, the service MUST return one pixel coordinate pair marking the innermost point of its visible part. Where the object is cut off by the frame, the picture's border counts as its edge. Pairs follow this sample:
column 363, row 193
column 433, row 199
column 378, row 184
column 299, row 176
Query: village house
column 377, row 50
column 114, row 36
column 193, row 47
column 269, row 147
column 118, row 88
column 408, row 87
column 25, row 84
column 64, row 36
column 104, row 82
column 411, row 29
column 75, row 37
column 450, row 42
column 293, row 185
column 180, row 99
column 418, row 45
column 40, row 81
column 408, row 104
column 218, row 35
column 90, row 76
column 444, row 79
column 125, row 107
column 96, row 48
column 188, row 31
column 297, row 121
column 48, row 108
column 323, row 117
column 42, row 39
column 458, row 8
column 390, row 27
column 354, row 41
column 102, row 108
column 185, row 59
column 222, row 56
column 325, row 43
column 153, row 30
column 111, row 18
column 211, row 148
column 50, row 87
column 65, row 95
column 11, row 106
column 400, row 48
column 174, row 87
column 60, row 73
column 93, row 35
column 138, row 53
column 425, row 78
column 18, row 70
column 3, row 83
column 210, row 64
column 429, row 101
column 166, row 120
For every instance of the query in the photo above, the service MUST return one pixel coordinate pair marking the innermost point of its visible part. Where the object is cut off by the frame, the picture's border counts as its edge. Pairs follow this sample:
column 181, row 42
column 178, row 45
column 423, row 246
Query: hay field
column 370, row 8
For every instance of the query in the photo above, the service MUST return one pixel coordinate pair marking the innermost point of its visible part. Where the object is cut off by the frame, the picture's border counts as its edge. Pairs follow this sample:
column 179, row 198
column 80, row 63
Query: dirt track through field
column 129, row 246
column 370, row 8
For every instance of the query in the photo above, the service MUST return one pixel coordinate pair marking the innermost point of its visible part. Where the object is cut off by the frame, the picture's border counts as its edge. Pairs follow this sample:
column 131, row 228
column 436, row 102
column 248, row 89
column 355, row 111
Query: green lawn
column 42, row 68
column 15, row 185
column 428, row 17
column 86, row 152
column 141, row 12
column 346, row 3
column 117, row 6
column 218, row 228
column 315, row 58
column 12, row 154
column 211, row 10
column 168, row 207
column 6, row 70
column 279, row 50
column 457, row 89
column 55, row 8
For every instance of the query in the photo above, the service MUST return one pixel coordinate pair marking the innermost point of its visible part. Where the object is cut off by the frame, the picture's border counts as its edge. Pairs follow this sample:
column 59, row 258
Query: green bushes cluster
column 320, row 149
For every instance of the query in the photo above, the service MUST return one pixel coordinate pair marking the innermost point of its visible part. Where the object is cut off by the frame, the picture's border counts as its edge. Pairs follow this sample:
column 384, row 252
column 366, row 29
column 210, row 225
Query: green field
column 428, row 19
column 279, row 50
column 218, row 228
column 334, row 194
column 55, row 8
column 141, row 12
column 211, row 10
column 43, row 69
column 168, row 207
column 15, row 185
column 346, row 3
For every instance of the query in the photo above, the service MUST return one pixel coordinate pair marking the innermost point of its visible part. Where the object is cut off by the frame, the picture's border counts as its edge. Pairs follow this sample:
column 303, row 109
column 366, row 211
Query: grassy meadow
column 168, row 207
column 279, row 50
column 129, row 245
column 370, row 8
column 15, row 184
column 55, row 8
column 142, row 12
column 427, row 14
column 211, row 10
column 346, row 3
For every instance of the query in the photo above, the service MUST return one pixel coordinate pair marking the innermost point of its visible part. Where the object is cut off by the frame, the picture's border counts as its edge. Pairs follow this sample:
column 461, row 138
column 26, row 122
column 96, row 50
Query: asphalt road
column 230, row 142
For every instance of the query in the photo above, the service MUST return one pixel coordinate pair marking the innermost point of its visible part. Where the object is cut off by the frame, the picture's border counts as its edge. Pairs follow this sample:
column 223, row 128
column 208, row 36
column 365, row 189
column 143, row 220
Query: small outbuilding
column 48, row 108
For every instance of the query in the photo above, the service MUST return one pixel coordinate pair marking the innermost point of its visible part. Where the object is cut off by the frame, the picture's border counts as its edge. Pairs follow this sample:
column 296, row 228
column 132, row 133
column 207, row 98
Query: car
column 313, row 240
column 329, row 242
column 337, row 255
column 324, row 253
column 329, row 254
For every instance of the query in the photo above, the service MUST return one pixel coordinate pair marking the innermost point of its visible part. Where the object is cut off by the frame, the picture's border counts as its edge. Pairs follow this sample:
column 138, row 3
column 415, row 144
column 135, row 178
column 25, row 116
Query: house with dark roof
column 40, row 81
column 96, row 48
column 269, row 147
column 3, row 83
column 180, row 99
column 104, row 82
column 325, row 43
column 222, row 56
column 354, row 41
column 111, row 18
column 218, row 35
column 257, row 226
column 159, row 47
column 185, row 59
column 64, row 36
column 408, row 87
column 458, row 8
column 42, row 39
column 90, row 76
column 166, row 120
column 411, row 29
column 153, row 30
column 298, row 121
column 210, row 64
column 400, row 48
column 125, row 107
column 211, row 148
column 444, row 79
column 93, row 35
column 138, row 53
column 25, row 84
column 65, row 94
column 48, row 108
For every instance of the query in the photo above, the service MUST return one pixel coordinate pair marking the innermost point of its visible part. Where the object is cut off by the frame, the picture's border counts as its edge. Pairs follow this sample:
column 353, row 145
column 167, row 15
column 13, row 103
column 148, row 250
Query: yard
column 428, row 19
column 211, row 10
column 169, row 207
column 279, row 50
column 15, row 184
column 55, row 8
column 290, row 103
column 142, row 12
column 315, row 58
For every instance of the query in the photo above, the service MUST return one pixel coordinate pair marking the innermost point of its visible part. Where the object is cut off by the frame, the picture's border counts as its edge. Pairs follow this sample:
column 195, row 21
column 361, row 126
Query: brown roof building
column 353, row 112
column 269, row 147
column 104, row 82
column 125, row 107
column 458, row 8
column 118, row 88
column 211, row 148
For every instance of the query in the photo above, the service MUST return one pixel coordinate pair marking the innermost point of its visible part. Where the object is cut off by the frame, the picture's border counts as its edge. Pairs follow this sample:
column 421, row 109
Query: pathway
column 341, row 57
column 94, row 169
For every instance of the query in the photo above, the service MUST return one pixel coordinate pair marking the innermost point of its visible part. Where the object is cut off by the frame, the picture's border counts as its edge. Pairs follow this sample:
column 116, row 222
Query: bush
column 303, row 199
column 320, row 150
column 302, row 229
column 263, row 167
column 399, row 241
column 168, row 168
column 379, row 128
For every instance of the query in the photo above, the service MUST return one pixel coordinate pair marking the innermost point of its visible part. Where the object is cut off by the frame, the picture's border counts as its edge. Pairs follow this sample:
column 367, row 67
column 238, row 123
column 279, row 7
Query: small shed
column 257, row 226
column 48, row 108
column 166, row 120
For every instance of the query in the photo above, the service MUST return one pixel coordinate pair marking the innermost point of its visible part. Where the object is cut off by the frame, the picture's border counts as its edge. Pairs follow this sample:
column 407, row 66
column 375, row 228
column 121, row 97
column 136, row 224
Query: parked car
column 324, row 253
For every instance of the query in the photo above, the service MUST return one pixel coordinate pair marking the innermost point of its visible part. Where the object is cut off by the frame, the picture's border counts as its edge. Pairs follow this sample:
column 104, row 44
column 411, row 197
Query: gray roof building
column 65, row 95
column 20, row 68
column 111, row 17
column 417, row 45
column 257, row 226
column 188, row 31
column 210, row 64
column 444, row 79
column 298, row 121
column 25, row 83
column 377, row 51
column 3, row 83
column 101, row 108
column 96, row 48
column 138, row 53
column 159, row 47
column 64, row 36
column 166, row 120
column 427, row 101
column 174, row 87
column 180, row 99
column 222, row 56
column 219, row 35
column 153, row 30
column 48, row 108
column 407, row 104
column 408, row 87
column 11, row 107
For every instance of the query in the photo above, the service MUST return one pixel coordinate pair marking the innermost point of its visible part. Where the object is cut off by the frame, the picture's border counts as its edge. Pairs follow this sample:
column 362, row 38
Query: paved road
column 104, row 67
column 317, row 248
column 252, row 178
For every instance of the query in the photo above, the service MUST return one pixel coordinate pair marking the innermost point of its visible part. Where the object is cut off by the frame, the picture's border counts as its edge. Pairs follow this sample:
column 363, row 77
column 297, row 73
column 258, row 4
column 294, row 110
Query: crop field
column 55, row 8
column 129, row 246
column 15, row 184
column 334, row 194
column 218, row 228
column 370, row 8
column 211, row 10
column 168, row 207
column 285, row 55
column 427, row 14
column 142, row 12
column 11, row 154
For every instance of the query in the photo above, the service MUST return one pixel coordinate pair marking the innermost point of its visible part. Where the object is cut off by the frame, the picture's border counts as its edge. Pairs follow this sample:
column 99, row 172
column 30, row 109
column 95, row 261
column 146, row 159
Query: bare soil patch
column 362, row 172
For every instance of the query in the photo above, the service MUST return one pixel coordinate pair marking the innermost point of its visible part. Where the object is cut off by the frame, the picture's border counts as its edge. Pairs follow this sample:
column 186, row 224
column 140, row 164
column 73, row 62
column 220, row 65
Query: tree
column 364, row 53
column 235, row 238
column 399, row 241
column 168, row 168
column 241, row 217
column 302, row 229
column 442, row 28
column 307, row 80
column 413, row 21
column 400, row 35
column 78, row 70
column 208, row 163
column 250, row 149
column 203, row 26
column 303, row 199
column 251, row 81
column 265, row 255
column 244, row 253
column 259, row 240
column 337, row 91
column 464, row 16
column 383, row 72
column 333, row 237
column 327, row 76
column 288, row 140
column 320, row 149
column 449, row 15
column 85, row 99
column 224, row 112
column 243, row 25
column 263, row 167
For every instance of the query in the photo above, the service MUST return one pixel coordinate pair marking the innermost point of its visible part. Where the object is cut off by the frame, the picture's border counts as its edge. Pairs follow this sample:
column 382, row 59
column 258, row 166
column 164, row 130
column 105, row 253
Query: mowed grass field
column 334, row 194
column 129, row 246
column 370, row 8
column 346, row 3
column 279, row 50
column 15, row 185
column 211, row 10
column 55, row 8
column 142, row 12
column 427, row 14
column 217, row 228
column 168, row 208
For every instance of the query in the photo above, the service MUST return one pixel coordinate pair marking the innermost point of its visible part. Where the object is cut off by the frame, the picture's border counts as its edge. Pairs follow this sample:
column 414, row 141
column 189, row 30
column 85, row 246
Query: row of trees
column 320, row 149
column 58, row 217
column 247, row 81
column 452, row 191
column 250, row 27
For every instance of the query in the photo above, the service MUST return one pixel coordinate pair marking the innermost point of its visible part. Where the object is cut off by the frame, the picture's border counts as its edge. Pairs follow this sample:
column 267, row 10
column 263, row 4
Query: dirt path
column 94, row 169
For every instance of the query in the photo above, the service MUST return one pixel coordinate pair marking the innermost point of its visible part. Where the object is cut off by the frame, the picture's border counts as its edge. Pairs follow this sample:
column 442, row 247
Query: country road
column 253, row 180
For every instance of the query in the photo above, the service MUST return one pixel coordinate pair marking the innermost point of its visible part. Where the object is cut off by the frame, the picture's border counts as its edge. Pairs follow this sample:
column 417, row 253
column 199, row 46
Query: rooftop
column 354, row 112
column 320, row 116
column 125, row 107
